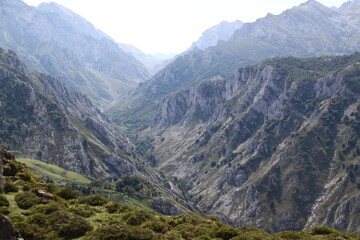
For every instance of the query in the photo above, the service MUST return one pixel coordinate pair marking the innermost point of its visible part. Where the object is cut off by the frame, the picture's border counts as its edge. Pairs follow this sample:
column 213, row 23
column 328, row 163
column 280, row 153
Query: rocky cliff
column 42, row 119
column 310, row 29
column 275, row 145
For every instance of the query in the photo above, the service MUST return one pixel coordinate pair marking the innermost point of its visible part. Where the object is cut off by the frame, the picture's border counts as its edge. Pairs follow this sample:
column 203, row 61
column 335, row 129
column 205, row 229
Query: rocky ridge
column 65, row 45
column 275, row 145
column 310, row 29
column 42, row 119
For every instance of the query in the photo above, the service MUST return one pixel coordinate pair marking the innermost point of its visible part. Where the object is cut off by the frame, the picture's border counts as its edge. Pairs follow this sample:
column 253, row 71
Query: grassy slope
column 92, row 217
column 59, row 175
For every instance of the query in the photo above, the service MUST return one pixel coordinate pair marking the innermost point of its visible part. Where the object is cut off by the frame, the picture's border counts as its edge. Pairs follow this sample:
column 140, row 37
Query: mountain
column 153, row 63
column 220, row 32
column 350, row 5
column 42, row 119
column 310, row 29
column 275, row 145
column 53, row 40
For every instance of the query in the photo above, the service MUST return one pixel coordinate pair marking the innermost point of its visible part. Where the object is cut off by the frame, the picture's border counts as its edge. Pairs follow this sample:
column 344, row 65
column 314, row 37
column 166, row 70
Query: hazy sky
column 170, row 26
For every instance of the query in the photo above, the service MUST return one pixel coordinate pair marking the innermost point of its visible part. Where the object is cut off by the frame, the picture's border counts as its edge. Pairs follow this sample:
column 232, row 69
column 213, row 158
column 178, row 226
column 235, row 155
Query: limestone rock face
column 2, row 182
column 42, row 119
column 7, row 231
column 274, row 145
column 164, row 206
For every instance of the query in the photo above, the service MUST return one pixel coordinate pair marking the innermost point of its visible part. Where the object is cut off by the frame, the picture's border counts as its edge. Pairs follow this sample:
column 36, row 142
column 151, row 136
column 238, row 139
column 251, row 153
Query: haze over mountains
column 54, row 40
column 221, row 127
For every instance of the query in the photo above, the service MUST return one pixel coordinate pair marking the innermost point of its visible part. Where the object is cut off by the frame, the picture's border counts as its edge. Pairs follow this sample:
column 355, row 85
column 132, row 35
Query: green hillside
column 58, row 175
column 59, row 214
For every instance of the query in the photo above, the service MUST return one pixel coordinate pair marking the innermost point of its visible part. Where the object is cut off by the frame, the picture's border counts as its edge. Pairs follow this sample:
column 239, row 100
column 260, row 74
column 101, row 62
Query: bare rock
column 164, row 206
column 7, row 231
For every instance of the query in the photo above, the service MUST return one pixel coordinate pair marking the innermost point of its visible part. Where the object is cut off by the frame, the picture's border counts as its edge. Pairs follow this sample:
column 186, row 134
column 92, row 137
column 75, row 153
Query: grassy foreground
column 61, row 214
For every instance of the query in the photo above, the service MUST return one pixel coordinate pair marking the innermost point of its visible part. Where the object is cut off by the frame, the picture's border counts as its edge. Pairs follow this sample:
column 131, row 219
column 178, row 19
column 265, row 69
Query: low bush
column 10, row 187
column 118, row 231
column 83, row 211
column 292, row 235
column 26, row 200
column 254, row 235
column 3, row 201
column 4, row 210
column 75, row 227
column 93, row 200
column 67, row 193
column 226, row 233
column 322, row 231
column 136, row 218
column 112, row 207
column 156, row 226
column 48, row 208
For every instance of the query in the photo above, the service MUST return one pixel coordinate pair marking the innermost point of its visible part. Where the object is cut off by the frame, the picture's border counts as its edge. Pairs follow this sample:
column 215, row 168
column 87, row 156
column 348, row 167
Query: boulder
column 7, row 231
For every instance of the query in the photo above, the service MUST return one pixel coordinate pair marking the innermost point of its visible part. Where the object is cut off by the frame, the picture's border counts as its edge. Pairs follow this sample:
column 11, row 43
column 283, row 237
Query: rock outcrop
column 165, row 206
column 1, row 168
column 7, row 231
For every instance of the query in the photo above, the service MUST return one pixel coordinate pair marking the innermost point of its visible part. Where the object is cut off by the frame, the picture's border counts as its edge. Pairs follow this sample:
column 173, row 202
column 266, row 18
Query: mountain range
column 53, row 40
column 310, row 29
column 256, row 123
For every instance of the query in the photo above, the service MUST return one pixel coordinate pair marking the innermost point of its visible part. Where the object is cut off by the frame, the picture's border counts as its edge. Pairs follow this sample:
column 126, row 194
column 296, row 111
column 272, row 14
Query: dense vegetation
column 60, row 214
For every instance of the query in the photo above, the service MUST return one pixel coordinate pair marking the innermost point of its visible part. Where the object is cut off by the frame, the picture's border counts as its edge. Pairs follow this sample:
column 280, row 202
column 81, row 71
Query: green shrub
column 67, row 193
column 3, row 201
column 75, row 227
column 136, row 218
column 83, row 211
column 156, row 226
column 29, row 186
column 38, row 219
column 26, row 200
column 24, row 175
column 292, row 235
column 68, row 225
column 48, row 208
column 226, row 233
column 112, row 207
column 4, row 210
column 253, row 235
column 118, row 231
column 10, row 187
column 322, row 231
column 35, row 232
column 129, row 184
column 93, row 200
column 11, row 168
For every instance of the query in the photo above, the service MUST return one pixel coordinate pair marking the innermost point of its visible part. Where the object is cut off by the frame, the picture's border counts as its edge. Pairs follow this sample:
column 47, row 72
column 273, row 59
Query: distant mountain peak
column 55, row 7
column 313, row 4
column 17, row 3
column 223, row 31
column 350, row 5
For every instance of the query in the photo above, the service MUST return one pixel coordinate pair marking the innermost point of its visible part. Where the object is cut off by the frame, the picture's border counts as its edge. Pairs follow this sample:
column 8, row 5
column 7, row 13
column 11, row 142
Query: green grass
column 57, row 174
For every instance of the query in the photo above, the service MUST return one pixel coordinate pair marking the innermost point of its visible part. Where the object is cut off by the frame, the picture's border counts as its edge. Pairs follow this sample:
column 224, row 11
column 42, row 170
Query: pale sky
column 170, row 26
